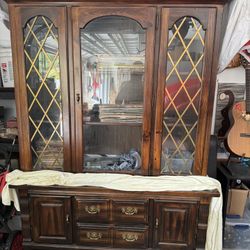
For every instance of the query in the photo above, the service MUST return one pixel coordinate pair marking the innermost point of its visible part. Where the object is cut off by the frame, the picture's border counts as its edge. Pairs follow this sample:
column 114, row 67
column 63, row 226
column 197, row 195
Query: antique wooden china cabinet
column 121, row 87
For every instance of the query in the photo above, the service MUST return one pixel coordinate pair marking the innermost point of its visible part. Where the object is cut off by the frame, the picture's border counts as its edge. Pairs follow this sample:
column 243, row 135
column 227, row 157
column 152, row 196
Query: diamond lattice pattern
column 182, row 95
column 44, row 93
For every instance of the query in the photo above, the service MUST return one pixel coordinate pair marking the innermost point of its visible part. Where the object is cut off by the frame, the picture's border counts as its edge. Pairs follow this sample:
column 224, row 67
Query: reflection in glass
column 44, row 93
column 113, row 58
column 182, row 95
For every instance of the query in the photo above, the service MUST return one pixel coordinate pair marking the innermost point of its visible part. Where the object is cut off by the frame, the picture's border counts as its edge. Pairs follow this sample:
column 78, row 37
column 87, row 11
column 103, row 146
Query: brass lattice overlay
column 182, row 95
column 44, row 93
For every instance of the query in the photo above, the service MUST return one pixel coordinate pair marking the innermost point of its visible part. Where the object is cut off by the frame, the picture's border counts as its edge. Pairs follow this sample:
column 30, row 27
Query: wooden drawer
column 130, row 211
column 125, row 237
column 91, row 210
column 94, row 235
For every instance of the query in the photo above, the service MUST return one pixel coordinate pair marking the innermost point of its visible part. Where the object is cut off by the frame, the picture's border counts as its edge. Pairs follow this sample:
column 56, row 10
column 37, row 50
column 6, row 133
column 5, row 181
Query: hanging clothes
column 237, row 32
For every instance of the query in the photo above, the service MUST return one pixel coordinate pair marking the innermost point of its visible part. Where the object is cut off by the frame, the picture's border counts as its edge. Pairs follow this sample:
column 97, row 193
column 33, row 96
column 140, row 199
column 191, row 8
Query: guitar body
column 238, row 138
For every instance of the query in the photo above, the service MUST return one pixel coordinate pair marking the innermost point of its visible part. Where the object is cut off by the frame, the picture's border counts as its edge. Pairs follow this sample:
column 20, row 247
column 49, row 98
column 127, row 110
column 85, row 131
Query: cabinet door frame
column 145, row 16
column 207, row 17
column 188, row 208
column 36, row 201
column 20, row 15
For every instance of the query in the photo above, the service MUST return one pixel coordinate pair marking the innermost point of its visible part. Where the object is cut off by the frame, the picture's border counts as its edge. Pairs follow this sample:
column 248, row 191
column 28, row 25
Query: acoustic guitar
column 238, row 138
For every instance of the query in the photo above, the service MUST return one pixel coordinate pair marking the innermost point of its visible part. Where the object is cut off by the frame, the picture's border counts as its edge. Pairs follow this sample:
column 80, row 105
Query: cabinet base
column 38, row 246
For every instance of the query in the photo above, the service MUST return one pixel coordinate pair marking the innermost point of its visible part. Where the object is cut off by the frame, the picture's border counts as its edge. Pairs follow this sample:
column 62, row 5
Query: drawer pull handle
column 94, row 235
column 130, row 237
column 129, row 210
column 92, row 209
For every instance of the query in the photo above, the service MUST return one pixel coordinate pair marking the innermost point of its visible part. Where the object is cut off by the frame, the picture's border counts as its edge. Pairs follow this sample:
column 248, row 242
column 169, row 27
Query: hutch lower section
column 98, row 218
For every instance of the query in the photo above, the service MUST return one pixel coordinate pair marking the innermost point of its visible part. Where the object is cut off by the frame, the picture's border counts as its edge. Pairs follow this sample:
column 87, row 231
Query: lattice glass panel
column 185, row 54
column 44, row 93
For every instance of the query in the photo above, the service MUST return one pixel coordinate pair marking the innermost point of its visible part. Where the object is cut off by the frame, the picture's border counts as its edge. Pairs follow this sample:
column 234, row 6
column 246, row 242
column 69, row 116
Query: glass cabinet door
column 183, row 90
column 113, row 51
column 45, row 83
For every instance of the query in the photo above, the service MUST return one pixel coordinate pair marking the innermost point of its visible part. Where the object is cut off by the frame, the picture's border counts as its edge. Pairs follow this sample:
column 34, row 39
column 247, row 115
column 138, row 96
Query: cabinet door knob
column 67, row 218
column 78, row 97
column 156, row 223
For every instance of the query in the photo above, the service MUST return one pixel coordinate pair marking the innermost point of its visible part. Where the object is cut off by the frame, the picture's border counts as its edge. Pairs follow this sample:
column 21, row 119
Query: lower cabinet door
column 175, row 224
column 51, row 219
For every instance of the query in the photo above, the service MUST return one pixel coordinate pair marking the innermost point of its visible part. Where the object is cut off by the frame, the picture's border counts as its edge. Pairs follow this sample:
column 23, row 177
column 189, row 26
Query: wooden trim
column 214, row 62
column 18, row 16
column 101, row 191
column 79, row 136
column 202, row 133
column 54, row 14
column 154, row 171
column 200, row 14
column 148, row 87
column 141, row 15
column 25, row 215
column 64, row 80
column 126, row 1
column 71, row 92
column 20, row 89
column 160, row 92
column 210, row 15
column 146, row 17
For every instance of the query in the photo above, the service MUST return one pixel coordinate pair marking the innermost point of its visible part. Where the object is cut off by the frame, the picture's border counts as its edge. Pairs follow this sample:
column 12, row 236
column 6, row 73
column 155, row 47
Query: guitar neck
column 247, row 70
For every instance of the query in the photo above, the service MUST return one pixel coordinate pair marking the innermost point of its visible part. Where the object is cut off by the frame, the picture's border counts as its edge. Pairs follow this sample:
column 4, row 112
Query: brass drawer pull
column 94, row 235
column 129, row 210
column 130, row 237
column 92, row 209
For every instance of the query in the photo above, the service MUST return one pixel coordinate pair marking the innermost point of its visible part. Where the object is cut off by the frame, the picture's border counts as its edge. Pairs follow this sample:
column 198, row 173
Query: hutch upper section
column 115, row 86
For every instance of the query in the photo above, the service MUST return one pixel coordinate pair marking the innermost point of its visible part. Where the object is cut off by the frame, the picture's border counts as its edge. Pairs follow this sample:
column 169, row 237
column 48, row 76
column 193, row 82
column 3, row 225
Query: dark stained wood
column 176, row 212
column 78, row 17
column 202, row 221
column 75, row 41
column 72, row 131
column 160, row 92
column 91, row 209
column 169, row 16
column 60, row 217
column 25, row 215
column 51, row 219
column 201, row 14
column 94, row 235
column 58, row 17
column 205, row 114
column 214, row 64
column 175, row 224
column 146, row 17
column 135, row 211
column 134, row 237
column 127, row 1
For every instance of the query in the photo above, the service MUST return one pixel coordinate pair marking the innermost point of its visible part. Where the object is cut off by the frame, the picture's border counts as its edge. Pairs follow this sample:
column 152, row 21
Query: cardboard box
column 237, row 200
